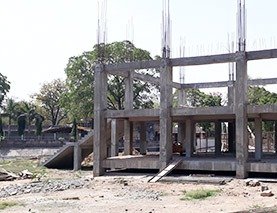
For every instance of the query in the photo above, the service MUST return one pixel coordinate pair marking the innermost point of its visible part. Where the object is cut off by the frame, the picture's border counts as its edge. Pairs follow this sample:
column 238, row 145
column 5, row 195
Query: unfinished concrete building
column 237, row 113
column 110, row 125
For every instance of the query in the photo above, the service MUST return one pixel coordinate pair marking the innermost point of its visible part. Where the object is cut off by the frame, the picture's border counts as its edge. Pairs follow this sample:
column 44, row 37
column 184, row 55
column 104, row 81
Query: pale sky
column 38, row 36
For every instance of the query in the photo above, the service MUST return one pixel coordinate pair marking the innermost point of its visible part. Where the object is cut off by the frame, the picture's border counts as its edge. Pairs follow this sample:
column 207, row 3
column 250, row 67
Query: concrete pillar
column 231, row 137
column 165, row 113
column 128, row 104
column 77, row 157
column 189, row 137
column 182, row 134
column 182, row 98
column 240, row 109
column 275, row 136
column 114, row 137
column 128, row 137
column 217, row 138
column 142, row 137
column 258, row 139
column 230, row 95
column 100, row 122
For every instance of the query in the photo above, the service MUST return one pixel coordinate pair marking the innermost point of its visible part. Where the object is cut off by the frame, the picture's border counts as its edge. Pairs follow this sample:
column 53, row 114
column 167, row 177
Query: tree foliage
column 79, row 72
column 50, row 98
column 260, row 96
column 197, row 98
column 4, row 87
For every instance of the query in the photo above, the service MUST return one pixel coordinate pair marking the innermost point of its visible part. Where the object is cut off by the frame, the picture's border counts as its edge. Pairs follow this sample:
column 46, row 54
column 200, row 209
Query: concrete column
column 100, row 122
column 114, row 137
column 231, row 137
column 128, row 104
column 189, row 138
column 182, row 96
column 217, row 138
column 128, row 137
column 182, row 134
column 230, row 95
column 275, row 136
column 77, row 157
column 241, row 116
column 258, row 139
column 165, row 114
column 142, row 137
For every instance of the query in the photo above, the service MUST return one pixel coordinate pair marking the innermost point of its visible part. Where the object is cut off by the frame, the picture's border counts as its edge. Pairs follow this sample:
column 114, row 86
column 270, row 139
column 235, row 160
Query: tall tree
column 50, row 98
column 11, row 111
column 4, row 88
column 79, row 99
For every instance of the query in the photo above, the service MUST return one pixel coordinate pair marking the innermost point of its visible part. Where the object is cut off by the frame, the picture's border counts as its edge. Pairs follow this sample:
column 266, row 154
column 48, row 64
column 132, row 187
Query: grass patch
column 7, row 204
column 199, row 194
column 18, row 165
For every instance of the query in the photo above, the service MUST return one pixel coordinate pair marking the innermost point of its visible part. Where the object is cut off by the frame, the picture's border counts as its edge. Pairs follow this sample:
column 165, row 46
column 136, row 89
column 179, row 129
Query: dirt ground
column 122, row 192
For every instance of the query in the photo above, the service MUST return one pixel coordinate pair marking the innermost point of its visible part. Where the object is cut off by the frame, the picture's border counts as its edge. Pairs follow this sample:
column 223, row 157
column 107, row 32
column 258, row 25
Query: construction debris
column 25, row 174
column 267, row 193
column 7, row 176
column 252, row 183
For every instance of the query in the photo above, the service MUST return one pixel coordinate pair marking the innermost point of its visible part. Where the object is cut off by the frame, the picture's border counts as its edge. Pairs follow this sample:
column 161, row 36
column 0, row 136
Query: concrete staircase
column 63, row 158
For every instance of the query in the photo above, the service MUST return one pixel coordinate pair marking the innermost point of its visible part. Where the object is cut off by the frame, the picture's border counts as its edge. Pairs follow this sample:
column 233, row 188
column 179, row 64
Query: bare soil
column 123, row 192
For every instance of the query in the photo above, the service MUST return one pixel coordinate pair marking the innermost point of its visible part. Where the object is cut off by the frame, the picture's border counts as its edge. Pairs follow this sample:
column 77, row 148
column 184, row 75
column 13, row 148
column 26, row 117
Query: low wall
column 27, row 152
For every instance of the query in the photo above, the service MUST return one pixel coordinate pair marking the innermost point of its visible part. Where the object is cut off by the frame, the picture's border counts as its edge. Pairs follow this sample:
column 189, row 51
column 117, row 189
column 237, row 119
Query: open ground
column 54, row 191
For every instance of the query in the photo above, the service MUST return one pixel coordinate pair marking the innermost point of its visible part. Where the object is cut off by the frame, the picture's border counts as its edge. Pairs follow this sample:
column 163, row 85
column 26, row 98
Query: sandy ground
column 132, row 193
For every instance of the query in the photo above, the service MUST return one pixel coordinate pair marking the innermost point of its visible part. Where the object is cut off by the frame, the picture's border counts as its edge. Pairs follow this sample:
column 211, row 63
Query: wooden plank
column 168, row 169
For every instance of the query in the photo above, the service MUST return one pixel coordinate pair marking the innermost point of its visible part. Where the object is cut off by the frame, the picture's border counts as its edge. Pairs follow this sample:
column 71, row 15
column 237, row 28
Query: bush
column 199, row 194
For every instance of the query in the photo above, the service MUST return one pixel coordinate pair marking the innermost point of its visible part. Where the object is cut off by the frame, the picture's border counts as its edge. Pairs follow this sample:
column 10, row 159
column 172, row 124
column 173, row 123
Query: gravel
column 43, row 186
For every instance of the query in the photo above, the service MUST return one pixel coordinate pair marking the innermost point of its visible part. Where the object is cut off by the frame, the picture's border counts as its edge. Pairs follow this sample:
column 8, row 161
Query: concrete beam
column 207, row 85
column 190, row 111
column 135, row 65
column 264, row 81
column 260, row 109
column 132, row 113
column 189, row 61
column 203, row 60
column 258, row 139
column 261, row 54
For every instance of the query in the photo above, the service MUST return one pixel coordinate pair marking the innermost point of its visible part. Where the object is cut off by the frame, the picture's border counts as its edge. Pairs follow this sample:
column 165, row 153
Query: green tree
column 50, row 98
column 38, row 122
column 4, row 88
column 79, row 99
column 260, row 96
column 11, row 111
column 197, row 98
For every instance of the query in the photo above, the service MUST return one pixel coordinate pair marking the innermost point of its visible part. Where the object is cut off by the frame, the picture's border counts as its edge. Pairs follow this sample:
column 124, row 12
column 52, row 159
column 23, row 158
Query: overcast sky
column 38, row 36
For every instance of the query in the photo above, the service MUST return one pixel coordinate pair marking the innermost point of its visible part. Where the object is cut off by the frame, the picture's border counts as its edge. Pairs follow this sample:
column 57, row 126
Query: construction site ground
column 129, row 192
